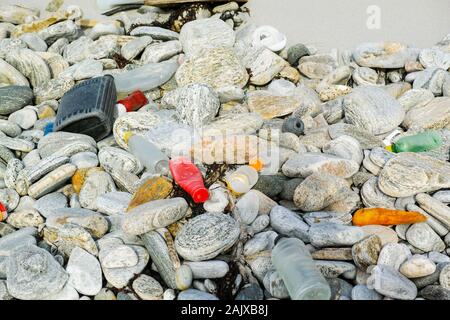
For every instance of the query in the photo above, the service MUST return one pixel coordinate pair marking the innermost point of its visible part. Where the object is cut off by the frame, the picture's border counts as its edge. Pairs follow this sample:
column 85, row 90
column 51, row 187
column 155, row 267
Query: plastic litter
column 296, row 267
column 189, row 178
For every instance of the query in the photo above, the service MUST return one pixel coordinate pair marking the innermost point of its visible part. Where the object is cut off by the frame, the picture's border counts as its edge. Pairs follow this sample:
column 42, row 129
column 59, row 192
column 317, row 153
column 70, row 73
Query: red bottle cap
column 134, row 101
column 3, row 212
column 189, row 177
column 200, row 195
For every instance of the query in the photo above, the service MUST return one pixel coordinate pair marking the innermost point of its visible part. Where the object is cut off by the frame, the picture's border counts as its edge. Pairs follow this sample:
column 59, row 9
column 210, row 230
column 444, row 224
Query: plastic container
column 421, row 142
column 133, row 102
column 88, row 108
column 242, row 180
column 296, row 267
column 148, row 154
column 48, row 128
column 189, row 178
column 147, row 77
column 3, row 212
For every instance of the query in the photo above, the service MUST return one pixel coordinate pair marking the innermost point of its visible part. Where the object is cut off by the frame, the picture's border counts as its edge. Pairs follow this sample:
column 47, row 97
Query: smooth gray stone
column 50, row 203
column 206, row 236
column 423, row 237
column 94, row 222
column 156, row 33
column 288, row 223
column 24, row 236
column 361, row 292
column 270, row 185
column 250, row 292
column 422, row 282
column 9, row 128
column 366, row 139
column 289, row 187
column 391, row 283
column 211, row 269
column 113, row 203
column 334, row 235
column 435, row 208
column 34, row 42
column 34, row 274
column 153, row 215
column 159, row 253
column 85, row 273
column 194, row 294
column 305, row 164
column 435, row 292
column 340, row 289
column 84, row 160
column 312, row 218
column 393, row 255
column 65, row 144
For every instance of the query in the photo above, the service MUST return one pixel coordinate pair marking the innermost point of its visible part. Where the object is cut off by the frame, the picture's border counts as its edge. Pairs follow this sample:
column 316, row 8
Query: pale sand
column 330, row 24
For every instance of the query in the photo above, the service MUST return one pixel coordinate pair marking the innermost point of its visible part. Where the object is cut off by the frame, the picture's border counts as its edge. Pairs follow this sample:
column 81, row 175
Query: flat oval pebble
column 85, row 274
column 95, row 185
column 147, row 288
column 118, row 158
column 113, row 203
column 34, row 274
column 50, row 203
column 84, row 160
column 206, row 236
column 394, row 254
column 391, row 283
column 306, row 164
column 153, row 215
column 25, row 218
column 121, row 256
column 417, row 266
column 14, row 98
column 25, row 118
column 331, row 234
column 194, row 294
column 288, row 223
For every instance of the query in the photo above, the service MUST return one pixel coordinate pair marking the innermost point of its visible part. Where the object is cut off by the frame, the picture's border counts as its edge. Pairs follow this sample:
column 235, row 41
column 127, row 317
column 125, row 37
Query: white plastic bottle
column 242, row 180
column 296, row 267
column 149, row 155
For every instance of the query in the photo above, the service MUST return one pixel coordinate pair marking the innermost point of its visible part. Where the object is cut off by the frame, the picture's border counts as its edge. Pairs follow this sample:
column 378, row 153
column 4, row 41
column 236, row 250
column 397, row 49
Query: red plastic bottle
column 3, row 212
column 131, row 103
column 189, row 177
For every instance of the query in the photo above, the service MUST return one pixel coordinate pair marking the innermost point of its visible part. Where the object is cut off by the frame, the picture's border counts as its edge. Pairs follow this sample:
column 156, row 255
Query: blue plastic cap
column 48, row 128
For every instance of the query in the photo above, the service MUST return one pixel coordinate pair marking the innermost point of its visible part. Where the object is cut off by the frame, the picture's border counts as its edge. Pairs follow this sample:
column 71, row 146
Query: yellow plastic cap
column 389, row 148
column 127, row 136
column 256, row 164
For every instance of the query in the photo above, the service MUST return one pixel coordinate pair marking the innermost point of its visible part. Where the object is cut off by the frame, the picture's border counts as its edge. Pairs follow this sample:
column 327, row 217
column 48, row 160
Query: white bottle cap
column 120, row 110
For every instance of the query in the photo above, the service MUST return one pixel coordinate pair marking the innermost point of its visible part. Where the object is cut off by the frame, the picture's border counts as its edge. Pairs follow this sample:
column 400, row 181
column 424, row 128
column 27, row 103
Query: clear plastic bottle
column 242, row 180
column 296, row 267
column 148, row 154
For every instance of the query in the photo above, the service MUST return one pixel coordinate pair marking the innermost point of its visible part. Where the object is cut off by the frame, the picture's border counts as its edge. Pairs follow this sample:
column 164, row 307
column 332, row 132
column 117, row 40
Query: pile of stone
column 87, row 221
